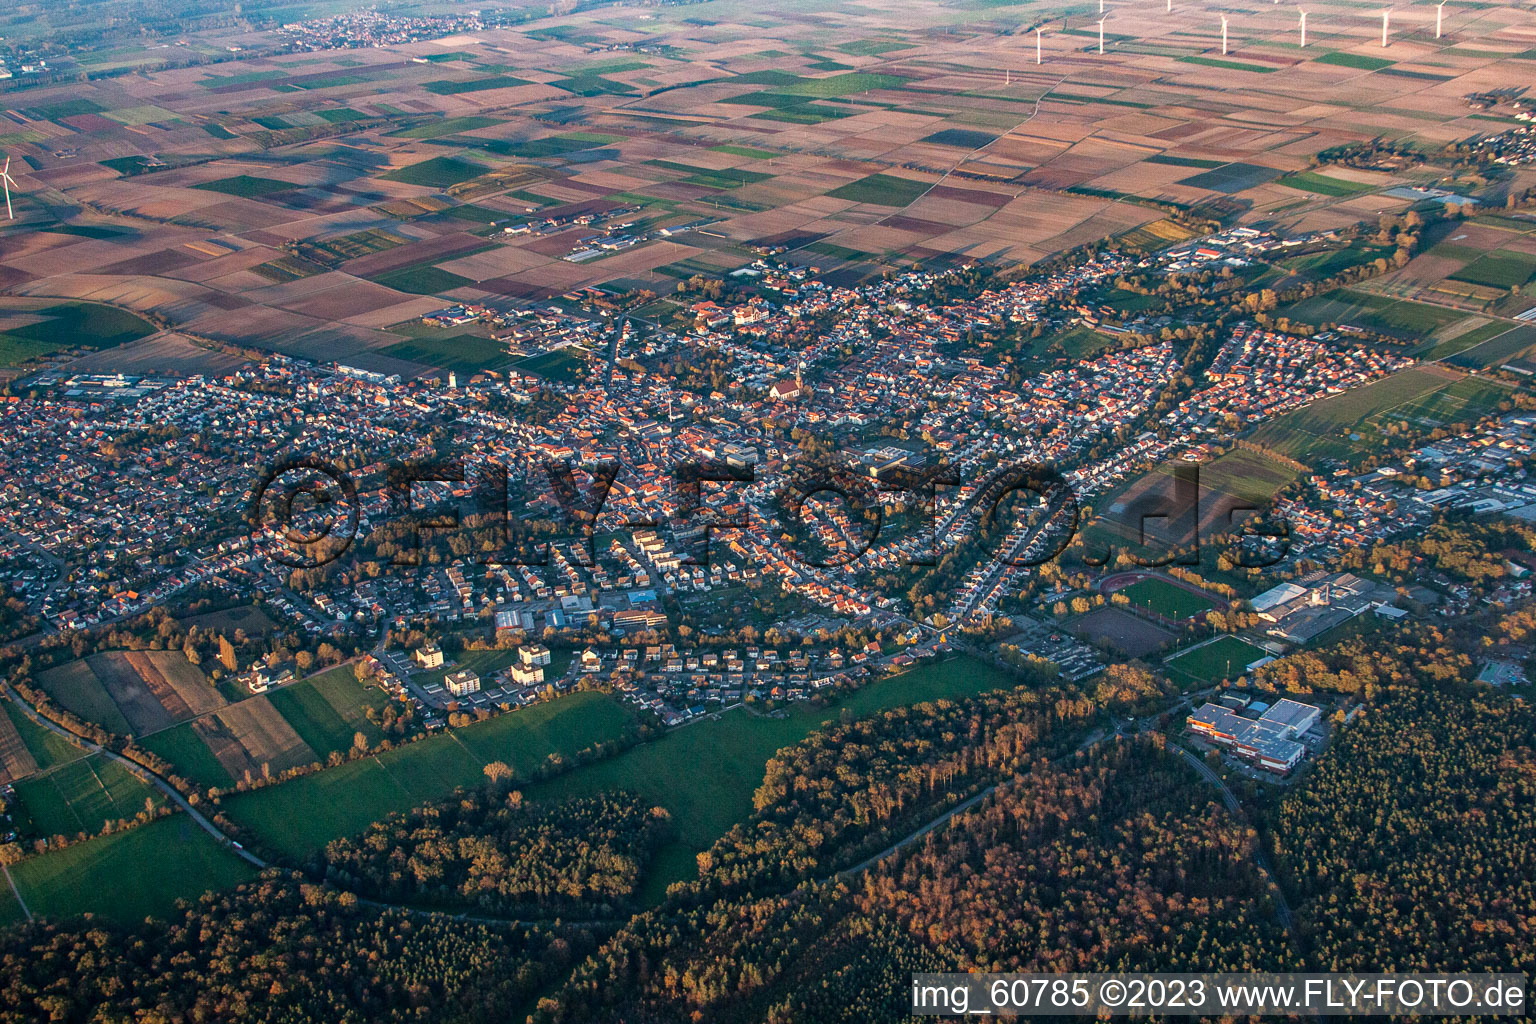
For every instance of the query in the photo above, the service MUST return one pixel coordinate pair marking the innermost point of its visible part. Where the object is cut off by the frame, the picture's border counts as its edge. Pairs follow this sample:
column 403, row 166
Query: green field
column 1323, row 184
column 1336, row 427
column 842, row 85
column 438, row 128
column 1358, row 61
column 246, row 186
column 438, row 172
column 74, row 686
column 462, row 353
column 81, row 796
column 1223, row 658
column 327, row 710
column 704, row 774
column 1500, row 269
column 184, row 748
column 561, row 365
column 47, row 747
column 1397, row 317
column 300, row 816
column 1167, row 600
column 71, row 325
column 746, row 151
column 129, row 875
column 962, row 138
column 421, row 279
column 881, row 190
column 447, row 88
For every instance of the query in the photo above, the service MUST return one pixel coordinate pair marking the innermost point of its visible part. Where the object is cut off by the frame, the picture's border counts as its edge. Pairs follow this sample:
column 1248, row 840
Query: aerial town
column 681, row 511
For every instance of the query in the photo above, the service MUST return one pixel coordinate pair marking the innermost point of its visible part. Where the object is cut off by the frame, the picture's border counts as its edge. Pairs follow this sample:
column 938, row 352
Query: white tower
column 1223, row 35
column 1037, row 45
column 7, row 181
column 1303, row 28
column 1439, row 17
column 1101, row 33
column 1386, row 16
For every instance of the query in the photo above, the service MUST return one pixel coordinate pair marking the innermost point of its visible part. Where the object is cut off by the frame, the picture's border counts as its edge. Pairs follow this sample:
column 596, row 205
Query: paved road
column 141, row 772
column 207, row 826
column 1282, row 907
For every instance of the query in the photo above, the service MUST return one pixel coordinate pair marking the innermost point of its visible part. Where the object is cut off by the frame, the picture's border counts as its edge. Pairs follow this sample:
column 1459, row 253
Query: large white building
column 1268, row 741
column 462, row 683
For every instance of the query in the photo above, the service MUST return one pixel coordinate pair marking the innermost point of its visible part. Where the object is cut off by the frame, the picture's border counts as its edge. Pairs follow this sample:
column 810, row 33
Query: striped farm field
column 328, row 710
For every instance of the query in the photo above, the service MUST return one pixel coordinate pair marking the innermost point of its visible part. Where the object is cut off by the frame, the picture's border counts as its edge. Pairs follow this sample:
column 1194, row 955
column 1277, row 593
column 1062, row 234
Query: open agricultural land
column 317, row 204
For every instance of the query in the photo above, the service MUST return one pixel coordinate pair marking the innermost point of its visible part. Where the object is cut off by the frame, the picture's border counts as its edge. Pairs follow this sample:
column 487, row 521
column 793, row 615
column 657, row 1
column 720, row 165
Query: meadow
column 705, row 773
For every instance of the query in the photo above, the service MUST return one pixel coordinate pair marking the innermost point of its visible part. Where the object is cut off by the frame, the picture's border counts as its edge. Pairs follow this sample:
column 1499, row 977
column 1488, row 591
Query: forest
column 281, row 950
column 1410, row 845
column 1119, row 858
column 490, row 850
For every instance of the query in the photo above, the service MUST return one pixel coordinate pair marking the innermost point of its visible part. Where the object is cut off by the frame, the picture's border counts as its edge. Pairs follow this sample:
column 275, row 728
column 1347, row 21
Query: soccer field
column 1165, row 599
column 1223, row 658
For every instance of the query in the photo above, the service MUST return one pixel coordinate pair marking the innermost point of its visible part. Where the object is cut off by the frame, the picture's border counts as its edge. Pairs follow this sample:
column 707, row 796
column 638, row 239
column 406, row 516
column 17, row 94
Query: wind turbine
column 1223, row 35
column 1439, row 15
column 7, row 181
column 1037, row 44
column 1101, row 32
column 1303, row 27
column 1101, row 6
column 1385, row 18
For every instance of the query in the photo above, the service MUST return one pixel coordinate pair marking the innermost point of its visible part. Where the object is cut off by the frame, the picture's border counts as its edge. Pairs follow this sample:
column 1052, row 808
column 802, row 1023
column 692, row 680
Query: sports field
column 1223, row 658
column 1165, row 599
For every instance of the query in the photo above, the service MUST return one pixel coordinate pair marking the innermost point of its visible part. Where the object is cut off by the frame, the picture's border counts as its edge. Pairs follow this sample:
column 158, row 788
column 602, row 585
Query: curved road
column 171, row 792
column 1282, row 907
column 202, row 821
